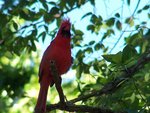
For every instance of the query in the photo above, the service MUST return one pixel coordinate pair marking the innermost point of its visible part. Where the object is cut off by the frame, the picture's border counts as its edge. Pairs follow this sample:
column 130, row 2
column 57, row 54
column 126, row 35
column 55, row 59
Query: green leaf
column 71, row 3
column 87, row 14
column 128, row 2
column 4, row 20
column 110, row 31
column 79, row 38
column 54, row 10
column 148, row 15
column 24, row 13
column 92, row 2
column 91, row 42
column 144, row 22
column 97, row 46
column 117, row 15
column 52, row 3
column 139, row 11
column 58, row 21
column 43, row 35
column 114, row 58
column 128, row 53
column 91, row 27
column 129, row 21
column 132, row 97
column 85, row 68
column 93, row 18
column 118, row 25
column 25, row 10
column 15, row 25
column 110, row 22
column 79, row 32
column 100, row 18
column 33, row 45
column 146, row 7
column 89, row 50
column 44, row 3
column 135, row 39
column 80, row 55
column 147, row 77
column 46, row 28
column 79, row 72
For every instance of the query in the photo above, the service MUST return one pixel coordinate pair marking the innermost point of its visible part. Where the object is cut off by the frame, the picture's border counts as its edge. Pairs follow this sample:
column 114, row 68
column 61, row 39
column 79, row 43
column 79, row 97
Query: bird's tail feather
column 41, row 102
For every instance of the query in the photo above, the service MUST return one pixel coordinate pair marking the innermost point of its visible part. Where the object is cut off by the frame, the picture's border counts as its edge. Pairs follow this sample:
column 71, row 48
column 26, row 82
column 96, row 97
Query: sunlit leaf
column 128, row 53
column 147, row 77
column 132, row 97
column 79, row 32
column 130, row 21
column 114, row 58
column 135, row 39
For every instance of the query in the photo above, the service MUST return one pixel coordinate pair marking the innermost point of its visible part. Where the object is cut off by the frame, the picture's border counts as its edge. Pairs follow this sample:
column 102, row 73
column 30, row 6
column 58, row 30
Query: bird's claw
column 68, row 102
column 65, row 103
column 62, row 105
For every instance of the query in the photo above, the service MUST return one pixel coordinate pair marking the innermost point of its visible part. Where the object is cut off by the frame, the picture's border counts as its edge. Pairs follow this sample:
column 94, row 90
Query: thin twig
column 125, row 28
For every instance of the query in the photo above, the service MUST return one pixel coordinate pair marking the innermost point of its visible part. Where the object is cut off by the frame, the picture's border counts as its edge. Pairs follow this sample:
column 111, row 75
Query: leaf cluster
column 25, row 22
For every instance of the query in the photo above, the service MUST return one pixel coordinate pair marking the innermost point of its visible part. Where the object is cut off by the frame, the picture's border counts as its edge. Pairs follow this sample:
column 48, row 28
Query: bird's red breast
column 60, row 51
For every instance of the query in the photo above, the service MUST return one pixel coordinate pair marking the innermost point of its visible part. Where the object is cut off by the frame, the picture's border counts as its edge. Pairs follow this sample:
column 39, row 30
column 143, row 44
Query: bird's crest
column 66, row 22
column 65, row 28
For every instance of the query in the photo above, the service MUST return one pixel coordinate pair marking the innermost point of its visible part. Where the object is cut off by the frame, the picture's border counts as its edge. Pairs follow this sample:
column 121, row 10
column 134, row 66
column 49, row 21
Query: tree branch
column 69, row 106
column 114, row 85
column 79, row 108
column 108, row 88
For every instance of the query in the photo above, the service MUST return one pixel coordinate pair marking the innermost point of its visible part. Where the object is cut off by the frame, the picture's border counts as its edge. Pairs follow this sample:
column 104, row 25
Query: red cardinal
column 59, row 51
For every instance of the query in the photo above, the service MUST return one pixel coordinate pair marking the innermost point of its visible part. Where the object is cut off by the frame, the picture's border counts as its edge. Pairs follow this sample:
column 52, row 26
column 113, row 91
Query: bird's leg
column 60, row 91
column 57, row 80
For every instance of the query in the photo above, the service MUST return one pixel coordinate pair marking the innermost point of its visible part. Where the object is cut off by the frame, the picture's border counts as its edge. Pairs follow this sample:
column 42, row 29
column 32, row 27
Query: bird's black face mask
column 65, row 33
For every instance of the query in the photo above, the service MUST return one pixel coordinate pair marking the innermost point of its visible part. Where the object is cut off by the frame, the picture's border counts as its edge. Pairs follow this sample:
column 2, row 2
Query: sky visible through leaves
column 106, row 9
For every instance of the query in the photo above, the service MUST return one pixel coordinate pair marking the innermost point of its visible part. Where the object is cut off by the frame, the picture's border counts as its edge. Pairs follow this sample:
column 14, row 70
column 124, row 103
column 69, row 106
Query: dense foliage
column 24, row 23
